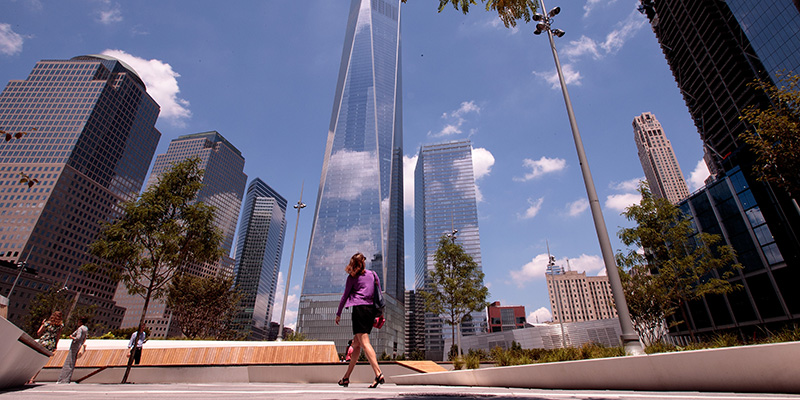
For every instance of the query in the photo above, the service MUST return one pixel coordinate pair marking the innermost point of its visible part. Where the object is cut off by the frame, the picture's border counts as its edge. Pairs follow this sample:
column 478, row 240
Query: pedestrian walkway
column 332, row 391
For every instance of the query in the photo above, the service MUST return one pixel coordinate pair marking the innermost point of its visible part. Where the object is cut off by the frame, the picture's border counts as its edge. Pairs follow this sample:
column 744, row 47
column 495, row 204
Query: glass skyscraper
column 258, row 257
column 360, row 202
column 93, row 141
column 445, row 198
column 223, row 186
column 715, row 49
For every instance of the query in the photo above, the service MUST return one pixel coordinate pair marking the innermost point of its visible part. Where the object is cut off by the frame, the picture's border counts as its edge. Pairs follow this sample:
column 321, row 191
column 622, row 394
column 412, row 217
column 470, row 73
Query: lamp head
column 537, row 17
column 558, row 32
column 554, row 12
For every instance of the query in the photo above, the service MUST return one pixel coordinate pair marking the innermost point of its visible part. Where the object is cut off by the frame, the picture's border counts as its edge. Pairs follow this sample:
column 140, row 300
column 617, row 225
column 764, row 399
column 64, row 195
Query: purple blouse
column 358, row 290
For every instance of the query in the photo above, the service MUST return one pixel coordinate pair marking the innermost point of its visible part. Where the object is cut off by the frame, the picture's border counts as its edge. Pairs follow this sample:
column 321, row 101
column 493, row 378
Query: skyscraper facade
column 660, row 166
column 715, row 49
column 91, row 138
column 505, row 318
column 445, row 199
column 223, row 186
column 258, row 258
column 415, row 325
column 360, row 202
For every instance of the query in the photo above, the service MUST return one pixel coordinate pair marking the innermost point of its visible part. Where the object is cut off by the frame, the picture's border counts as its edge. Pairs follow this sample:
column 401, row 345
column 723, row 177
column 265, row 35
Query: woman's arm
column 41, row 328
column 348, row 287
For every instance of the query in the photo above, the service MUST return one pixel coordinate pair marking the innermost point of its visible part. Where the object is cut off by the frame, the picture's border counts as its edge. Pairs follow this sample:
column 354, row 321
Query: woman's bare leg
column 369, row 352
column 353, row 357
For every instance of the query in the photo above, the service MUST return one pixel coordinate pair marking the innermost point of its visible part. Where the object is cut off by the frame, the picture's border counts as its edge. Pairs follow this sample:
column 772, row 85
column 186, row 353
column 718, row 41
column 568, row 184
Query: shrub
column 458, row 363
column 660, row 347
column 473, row 360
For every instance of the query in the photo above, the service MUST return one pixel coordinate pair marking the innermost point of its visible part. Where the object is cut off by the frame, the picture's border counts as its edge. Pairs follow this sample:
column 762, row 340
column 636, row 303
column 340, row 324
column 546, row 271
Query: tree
column 668, row 264
column 775, row 138
column 509, row 11
column 45, row 303
column 456, row 285
column 158, row 233
column 204, row 306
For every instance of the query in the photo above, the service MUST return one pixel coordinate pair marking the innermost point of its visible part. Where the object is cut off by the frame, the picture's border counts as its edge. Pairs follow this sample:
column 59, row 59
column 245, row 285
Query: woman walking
column 358, row 292
column 49, row 333
column 78, row 339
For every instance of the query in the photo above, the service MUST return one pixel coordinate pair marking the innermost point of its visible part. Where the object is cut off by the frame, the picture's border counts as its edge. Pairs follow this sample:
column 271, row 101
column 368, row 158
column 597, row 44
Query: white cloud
column 591, row 4
column 162, row 85
column 409, row 165
column 577, row 48
column 535, row 206
column 624, row 31
column 110, row 15
column 620, row 202
column 541, row 167
column 496, row 23
column 571, row 76
column 539, row 316
column 630, row 185
column 577, row 207
column 482, row 162
column 10, row 41
column 698, row 176
column 292, row 303
column 456, row 118
column 361, row 178
column 536, row 268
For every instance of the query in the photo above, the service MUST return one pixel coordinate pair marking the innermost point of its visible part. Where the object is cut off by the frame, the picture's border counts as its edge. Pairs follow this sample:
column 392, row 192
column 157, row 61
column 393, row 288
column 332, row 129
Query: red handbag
column 379, row 321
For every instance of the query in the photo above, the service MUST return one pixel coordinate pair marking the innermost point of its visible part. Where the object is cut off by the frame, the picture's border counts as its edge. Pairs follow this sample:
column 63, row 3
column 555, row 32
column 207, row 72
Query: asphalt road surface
column 332, row 391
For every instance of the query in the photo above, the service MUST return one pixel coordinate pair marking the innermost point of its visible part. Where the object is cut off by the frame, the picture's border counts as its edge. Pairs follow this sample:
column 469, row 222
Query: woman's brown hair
column 356, row 265
column 55, row 318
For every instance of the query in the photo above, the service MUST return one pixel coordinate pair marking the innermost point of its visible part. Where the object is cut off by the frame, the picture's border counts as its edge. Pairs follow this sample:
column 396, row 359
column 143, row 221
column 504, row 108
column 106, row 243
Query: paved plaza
column 332, row 391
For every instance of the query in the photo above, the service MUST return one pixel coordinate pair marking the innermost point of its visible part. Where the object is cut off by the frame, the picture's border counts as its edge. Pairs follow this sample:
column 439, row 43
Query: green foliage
column 204, row 306
column 472, row 360
column 457, row 285
column 44, row 304
column 787, row 334
column 162, row 231
column 122, row 333
column 509, row 11
column 296, row 337
column 416, row 355
column 73, row 320
column 677, row 265
column 660, row 347
column 775, row 139
column 458, row 363
column 384, row 357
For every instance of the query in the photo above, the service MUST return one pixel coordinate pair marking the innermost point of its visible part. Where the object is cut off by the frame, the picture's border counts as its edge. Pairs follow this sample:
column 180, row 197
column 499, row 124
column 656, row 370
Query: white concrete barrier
column 21, row 357
column 766, row 368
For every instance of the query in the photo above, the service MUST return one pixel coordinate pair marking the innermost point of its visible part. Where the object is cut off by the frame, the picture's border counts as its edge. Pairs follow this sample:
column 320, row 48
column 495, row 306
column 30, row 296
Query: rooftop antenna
column 568, row 267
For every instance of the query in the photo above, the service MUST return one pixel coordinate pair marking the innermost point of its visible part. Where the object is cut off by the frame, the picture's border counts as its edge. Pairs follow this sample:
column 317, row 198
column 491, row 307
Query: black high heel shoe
column 378, row 380
column 344, row 382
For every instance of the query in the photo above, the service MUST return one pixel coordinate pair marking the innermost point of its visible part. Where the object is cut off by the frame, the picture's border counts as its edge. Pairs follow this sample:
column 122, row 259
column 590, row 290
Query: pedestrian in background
column 49, row 333
column 349, row 350
column 136, row 345
column 358, row 292
column 78, row 340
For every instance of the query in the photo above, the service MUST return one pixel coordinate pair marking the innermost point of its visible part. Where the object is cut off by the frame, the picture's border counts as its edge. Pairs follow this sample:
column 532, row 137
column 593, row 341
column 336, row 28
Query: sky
column 263, row 74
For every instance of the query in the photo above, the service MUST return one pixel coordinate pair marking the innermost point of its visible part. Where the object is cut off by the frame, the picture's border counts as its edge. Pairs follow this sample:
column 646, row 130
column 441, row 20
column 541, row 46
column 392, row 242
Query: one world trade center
column 360, row 201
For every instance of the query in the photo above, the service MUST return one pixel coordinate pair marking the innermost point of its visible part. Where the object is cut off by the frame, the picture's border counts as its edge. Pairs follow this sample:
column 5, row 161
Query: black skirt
column 363, row 318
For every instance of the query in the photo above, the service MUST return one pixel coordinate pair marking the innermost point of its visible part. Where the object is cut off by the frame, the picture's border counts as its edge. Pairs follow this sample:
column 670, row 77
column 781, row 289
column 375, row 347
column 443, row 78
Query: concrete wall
column 770, row 368
column 20, row 356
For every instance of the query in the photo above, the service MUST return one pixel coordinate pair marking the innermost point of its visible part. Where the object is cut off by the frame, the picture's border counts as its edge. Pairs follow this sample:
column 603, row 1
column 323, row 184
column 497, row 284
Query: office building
column 258, row 258
column 505, row 318
column 91, row 137
column 715, row 49
column 444, row 200
column 660, row 166
column 415, row 325
column 223, row 187
column 577, row 297
column 360, row 200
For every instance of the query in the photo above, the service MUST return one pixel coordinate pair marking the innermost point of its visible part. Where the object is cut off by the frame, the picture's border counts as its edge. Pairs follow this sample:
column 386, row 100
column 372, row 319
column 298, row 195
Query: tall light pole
column 299, row 206
column 630, row 340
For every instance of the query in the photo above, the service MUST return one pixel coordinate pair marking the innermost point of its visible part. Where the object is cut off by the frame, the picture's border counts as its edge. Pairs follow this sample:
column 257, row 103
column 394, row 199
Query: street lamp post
column 299, row 206
column 630, row 340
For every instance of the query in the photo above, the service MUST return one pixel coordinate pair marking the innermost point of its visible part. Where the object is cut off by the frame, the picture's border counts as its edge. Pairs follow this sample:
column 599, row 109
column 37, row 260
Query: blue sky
column 263, row 74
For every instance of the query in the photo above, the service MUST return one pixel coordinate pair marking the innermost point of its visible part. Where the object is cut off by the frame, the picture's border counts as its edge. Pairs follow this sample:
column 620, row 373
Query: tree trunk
column 141, row 327
column 686, row 321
